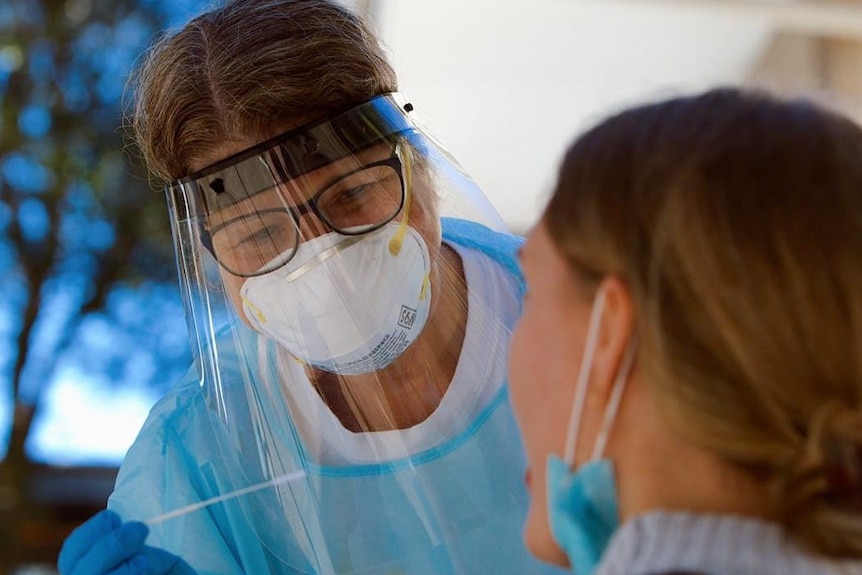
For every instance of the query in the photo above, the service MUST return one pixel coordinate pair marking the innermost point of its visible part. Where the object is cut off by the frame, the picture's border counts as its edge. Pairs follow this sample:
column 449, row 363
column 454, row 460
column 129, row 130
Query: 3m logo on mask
column 407, row 317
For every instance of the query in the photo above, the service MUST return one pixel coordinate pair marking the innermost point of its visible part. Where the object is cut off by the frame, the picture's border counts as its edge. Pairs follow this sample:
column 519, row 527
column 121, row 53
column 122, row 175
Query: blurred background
column 92, row 330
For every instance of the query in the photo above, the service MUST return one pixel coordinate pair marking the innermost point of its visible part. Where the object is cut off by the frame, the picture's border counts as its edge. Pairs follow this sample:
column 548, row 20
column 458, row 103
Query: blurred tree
column 86, row 266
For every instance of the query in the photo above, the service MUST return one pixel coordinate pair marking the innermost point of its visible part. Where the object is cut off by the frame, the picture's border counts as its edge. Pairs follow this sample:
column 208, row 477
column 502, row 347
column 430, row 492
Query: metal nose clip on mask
column 350, row 314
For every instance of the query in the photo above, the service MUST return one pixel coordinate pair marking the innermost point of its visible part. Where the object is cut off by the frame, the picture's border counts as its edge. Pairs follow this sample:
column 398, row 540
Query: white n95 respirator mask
column 346, row 304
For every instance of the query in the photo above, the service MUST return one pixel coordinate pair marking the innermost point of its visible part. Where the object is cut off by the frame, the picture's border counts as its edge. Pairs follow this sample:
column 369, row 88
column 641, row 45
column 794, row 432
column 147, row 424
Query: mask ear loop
column 614, row 402
column 583, row 380
column 398, row 239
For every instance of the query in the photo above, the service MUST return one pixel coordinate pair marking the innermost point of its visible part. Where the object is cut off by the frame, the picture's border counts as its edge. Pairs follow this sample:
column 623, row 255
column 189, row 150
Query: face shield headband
column 244, row 182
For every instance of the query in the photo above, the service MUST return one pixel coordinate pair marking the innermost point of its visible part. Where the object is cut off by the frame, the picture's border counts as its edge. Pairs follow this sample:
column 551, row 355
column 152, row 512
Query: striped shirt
column 665, row 542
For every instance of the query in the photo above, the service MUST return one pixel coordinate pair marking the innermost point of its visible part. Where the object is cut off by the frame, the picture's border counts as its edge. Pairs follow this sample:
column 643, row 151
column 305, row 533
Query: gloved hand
column 104, row 545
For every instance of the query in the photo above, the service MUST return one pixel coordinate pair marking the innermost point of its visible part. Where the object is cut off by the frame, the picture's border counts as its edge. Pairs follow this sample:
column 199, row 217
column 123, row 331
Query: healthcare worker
column 351, row 294
column 686, row 372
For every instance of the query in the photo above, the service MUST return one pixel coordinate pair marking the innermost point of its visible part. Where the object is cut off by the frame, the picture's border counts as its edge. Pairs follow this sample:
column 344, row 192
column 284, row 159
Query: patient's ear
column 615, row 333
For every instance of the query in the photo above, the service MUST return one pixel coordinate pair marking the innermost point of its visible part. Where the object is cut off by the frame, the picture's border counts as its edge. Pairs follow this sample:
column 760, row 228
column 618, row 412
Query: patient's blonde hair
column 736, row 220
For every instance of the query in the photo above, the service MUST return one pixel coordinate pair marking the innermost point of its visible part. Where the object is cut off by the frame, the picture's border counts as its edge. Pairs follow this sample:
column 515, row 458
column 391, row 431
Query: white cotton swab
column 286, row 478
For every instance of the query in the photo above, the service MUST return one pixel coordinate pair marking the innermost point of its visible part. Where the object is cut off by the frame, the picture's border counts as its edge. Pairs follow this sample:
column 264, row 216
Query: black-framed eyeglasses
column 355, row 203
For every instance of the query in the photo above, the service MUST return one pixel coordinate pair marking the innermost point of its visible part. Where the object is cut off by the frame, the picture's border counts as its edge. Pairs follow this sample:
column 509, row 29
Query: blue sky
column 85, row 421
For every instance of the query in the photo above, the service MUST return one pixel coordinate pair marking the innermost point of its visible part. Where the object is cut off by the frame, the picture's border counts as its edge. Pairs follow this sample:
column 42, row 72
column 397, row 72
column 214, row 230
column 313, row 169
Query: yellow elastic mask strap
column 426, row 282
column 398, row 239
column 255, row 310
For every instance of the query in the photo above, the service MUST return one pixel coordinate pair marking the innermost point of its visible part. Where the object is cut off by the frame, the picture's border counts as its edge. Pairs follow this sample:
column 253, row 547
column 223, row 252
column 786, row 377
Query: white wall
column 506, row 84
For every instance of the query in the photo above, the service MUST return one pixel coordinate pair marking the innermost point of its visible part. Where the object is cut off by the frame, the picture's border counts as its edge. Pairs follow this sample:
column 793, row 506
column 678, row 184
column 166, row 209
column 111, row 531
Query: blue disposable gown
column 184, row 454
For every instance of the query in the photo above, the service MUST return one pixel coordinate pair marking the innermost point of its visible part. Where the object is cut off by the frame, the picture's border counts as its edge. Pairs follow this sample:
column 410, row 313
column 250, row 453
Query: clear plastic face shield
column 351, row 311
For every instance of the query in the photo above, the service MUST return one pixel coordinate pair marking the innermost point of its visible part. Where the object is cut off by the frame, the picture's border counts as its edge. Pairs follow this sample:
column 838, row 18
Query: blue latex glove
column 104, row 545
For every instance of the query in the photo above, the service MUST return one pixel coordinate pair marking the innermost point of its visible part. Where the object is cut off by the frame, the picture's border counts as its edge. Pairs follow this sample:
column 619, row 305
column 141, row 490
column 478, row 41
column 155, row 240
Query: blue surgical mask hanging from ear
column 582, row 503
